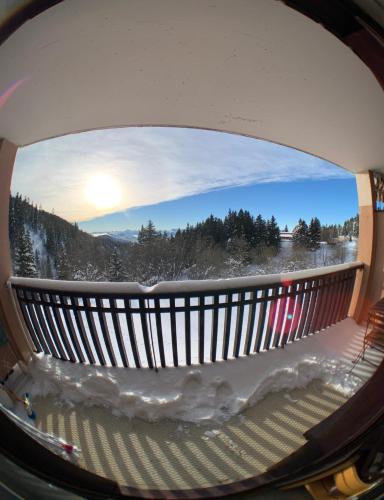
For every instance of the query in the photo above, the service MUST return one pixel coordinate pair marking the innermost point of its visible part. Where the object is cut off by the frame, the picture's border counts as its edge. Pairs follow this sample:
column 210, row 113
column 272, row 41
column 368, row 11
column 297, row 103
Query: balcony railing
column 180, row 323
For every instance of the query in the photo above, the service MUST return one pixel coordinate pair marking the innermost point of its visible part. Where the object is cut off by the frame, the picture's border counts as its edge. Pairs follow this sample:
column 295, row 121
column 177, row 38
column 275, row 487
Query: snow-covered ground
column 290, row 258
column 208, row 392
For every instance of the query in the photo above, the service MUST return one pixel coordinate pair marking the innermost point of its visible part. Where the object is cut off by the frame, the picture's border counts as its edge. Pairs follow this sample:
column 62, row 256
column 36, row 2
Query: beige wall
column 8, row 315
column 7, row 360
column 369, row 287
column 366, row 248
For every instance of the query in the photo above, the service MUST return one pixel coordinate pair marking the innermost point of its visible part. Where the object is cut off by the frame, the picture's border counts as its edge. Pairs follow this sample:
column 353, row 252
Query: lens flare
column 5, row 96
column 284, row 317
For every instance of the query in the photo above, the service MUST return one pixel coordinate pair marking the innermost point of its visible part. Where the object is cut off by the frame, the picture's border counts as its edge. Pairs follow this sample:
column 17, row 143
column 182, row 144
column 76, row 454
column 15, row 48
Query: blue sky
column 175, row 176
column 333, row 201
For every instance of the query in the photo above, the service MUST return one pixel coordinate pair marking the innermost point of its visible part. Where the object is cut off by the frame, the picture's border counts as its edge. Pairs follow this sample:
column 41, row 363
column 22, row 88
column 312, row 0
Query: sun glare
column 102, row 191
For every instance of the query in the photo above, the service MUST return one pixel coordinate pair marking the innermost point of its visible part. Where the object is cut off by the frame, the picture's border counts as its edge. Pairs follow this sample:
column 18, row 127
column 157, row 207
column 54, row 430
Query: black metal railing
column 180, row 323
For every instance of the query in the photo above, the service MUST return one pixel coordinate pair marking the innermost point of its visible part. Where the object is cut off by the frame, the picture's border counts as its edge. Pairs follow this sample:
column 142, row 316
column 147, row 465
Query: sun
column 103, row 191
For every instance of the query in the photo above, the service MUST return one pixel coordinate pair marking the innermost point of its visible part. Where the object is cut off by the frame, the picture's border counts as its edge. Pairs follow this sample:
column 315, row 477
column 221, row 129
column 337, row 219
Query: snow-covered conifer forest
column 46, row 246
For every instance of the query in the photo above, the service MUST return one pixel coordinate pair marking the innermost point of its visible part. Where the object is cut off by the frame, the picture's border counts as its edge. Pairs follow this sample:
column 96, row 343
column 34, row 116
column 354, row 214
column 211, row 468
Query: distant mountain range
column 126, row 235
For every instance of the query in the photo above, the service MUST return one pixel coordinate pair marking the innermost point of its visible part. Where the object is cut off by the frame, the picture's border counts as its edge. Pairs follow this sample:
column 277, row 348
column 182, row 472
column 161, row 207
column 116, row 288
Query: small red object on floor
column 68, row 447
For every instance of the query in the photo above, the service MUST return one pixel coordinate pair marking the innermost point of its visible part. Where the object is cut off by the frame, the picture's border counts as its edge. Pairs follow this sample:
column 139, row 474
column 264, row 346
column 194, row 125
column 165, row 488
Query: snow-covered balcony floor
column 281, row 401
column 178, row 455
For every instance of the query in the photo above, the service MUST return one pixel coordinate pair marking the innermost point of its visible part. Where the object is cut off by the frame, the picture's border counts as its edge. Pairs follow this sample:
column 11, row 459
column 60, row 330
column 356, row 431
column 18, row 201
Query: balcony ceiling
column 254, row 68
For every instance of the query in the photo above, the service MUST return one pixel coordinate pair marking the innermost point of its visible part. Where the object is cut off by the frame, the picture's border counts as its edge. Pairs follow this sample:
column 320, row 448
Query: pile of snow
column 212, row 392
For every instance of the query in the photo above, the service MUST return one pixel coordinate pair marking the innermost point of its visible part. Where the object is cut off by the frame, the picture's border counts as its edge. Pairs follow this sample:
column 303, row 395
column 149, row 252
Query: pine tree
column 260, row 231
column 115, row 271
column 314, row 234
column 230, row 226
column 355, row 228
column 300, row 234
column 147, row 234
column 24, row 256
column 286, row 230
column 46, row 268
column 273, row 233
column 64, row 271
column 12, row 225
column 238, row 256
column 330, row 233
column 213, row 229
column 247, row 225
column 37, row 261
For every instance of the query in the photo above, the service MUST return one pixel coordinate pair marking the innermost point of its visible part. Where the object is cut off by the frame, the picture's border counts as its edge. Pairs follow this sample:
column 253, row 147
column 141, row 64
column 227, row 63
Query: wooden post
column 362, row 294
column 18, row 344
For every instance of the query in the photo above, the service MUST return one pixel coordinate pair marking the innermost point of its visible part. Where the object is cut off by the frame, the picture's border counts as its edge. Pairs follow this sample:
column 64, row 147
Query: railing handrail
column 174, row 287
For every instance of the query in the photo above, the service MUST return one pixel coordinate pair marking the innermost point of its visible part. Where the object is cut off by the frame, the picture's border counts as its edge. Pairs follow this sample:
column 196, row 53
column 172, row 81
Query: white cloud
column 154, row 165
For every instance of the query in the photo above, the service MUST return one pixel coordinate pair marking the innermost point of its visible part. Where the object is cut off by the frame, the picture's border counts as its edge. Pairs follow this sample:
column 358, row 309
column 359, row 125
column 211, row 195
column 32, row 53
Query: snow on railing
column 183, row 322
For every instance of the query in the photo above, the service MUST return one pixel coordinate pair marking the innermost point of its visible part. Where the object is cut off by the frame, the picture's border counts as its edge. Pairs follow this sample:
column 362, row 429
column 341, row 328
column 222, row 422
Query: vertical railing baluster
column 131, row 332
column 37, row 329
column 34, row 336
column 118, row 332
column 304, row 313
column 93, row 331
column 201, row 328
column 239, row 324
column 71, row 329
column 345, row 296
column 61, row 329
column 312, row 306
column 340, row 303
column 337, row 290
column 174, row 332
column 215, row 324
column 343, row 293
column 52, row 328
column 297, row 302
column 350, row 284
column 336, row 295
column 316, row 309
column 289, row 321
column 281, row 306
column 81, row 330
column 105, row 331
column 43, row 326
column 328, row 302
column 188, row 346
column 320, row 304
column 271, row 317
column 261, row 320
column 159, row 330
column 352, row 287
column 250, row 323
column 227, row 325
column 144, row 328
